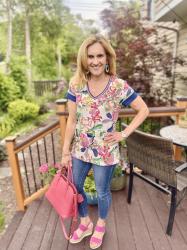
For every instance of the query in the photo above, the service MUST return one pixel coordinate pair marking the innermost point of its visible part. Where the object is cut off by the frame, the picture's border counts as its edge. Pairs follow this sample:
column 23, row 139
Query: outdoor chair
column 155, row 157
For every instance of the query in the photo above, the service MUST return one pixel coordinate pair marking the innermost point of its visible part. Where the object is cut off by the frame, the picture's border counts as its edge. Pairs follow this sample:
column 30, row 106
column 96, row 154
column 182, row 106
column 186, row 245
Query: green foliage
column 21, row 110
column 17, row 73
column 117, row 171
column 8, row 91
column 67, row 72
column 29, row 125
column 6, row 125
column 89, row 185
column 3, row 30
column 150, row 126
column 44, row 60
column 2, row 217
column 55, row 34
column 140, row 51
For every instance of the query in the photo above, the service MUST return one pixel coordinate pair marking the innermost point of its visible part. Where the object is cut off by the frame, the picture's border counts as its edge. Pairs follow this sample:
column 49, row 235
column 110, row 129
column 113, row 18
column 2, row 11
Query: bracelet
column 67, row 154
column 124, row 135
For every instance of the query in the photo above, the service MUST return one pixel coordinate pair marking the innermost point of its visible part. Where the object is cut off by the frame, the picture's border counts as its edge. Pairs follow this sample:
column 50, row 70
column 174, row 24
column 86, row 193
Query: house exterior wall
column 154, row 8
column 159, row 5
column 181, row 84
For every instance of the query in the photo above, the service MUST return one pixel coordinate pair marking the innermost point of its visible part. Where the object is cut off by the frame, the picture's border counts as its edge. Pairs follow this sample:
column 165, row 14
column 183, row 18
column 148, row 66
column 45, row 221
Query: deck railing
column 46, row 145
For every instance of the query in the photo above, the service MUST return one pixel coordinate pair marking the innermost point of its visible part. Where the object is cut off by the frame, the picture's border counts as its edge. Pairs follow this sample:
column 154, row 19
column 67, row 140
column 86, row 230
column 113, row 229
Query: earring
column 107, row 68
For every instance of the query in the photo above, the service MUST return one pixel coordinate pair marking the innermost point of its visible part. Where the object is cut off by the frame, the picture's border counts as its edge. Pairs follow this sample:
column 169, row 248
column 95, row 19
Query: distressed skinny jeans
column 102, row 177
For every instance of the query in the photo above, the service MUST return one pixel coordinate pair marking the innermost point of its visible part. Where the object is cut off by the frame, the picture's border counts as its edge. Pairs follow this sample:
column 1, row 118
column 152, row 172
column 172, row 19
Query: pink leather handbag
column 63, row 196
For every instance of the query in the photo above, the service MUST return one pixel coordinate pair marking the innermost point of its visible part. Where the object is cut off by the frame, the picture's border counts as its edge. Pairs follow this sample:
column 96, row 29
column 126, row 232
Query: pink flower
column 43, row 168
column 58, row 165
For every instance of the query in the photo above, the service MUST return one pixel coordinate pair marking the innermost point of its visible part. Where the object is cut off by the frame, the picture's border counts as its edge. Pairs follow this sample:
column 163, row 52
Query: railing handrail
column 153, row 111
column 33, row 138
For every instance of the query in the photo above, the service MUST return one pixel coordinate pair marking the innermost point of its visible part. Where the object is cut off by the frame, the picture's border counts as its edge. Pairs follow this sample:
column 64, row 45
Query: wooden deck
column 140, row 225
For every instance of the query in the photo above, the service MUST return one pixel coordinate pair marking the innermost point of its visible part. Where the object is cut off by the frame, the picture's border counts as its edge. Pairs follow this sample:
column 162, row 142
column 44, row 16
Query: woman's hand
column 66, row 160
column 113, row 137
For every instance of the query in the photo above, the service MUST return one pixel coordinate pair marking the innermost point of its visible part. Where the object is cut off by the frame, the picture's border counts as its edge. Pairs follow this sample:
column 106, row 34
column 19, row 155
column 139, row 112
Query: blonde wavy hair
column 82, row 74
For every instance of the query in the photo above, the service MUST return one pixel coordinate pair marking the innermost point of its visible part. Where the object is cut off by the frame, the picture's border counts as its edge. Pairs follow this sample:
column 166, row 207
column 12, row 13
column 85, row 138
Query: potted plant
column 47, row 172
column 119, row 179
column 90, row 189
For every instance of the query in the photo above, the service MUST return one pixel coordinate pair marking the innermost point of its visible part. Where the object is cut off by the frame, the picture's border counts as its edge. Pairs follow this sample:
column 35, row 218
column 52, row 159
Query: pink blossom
column 57, row 165
column 43, row 168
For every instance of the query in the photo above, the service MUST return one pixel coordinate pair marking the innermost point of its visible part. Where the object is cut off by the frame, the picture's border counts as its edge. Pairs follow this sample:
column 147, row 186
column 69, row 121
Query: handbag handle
column 74, row 221
column 70, row 173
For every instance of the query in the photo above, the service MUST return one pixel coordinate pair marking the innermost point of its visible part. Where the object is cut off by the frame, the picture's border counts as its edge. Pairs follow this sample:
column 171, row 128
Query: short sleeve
column 71, row 94
column 127, row 94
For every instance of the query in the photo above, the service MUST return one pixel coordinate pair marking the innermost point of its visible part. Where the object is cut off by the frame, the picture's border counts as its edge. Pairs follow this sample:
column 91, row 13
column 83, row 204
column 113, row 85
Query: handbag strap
column 72, row 227
column 70, row 173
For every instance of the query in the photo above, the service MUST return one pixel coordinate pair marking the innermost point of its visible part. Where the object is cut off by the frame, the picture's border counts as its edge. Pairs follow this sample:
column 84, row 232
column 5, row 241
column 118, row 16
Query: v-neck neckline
column 104, row 90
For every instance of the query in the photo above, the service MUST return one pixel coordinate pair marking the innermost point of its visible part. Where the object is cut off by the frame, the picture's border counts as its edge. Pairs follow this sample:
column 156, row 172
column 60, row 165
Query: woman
column 95, row 97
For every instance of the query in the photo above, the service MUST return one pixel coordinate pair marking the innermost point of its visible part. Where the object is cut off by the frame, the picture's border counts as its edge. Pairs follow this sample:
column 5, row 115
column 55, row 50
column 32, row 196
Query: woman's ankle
column 101, row 222
column 85, row 220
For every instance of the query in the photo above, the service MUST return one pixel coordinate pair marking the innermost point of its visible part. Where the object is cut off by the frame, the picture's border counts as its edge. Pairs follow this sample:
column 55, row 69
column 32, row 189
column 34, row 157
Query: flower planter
column 118, row 183
column 91, row 198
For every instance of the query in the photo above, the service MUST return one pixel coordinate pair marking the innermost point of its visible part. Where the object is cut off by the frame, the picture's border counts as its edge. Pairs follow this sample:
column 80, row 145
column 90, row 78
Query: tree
column 7, row 7
column 29, row 6
column 137, row 58
column 48, row 36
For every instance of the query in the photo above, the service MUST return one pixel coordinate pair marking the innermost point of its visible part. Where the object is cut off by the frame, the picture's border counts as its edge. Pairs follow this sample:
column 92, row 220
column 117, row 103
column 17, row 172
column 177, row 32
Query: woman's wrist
column 66, row 153
column 124, row 134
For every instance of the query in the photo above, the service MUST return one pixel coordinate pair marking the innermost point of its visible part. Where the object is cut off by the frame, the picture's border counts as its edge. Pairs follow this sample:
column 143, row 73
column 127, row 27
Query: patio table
column 177, row 134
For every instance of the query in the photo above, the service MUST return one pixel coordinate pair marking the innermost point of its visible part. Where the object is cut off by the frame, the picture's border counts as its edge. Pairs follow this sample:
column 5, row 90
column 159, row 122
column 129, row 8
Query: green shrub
column 89, row 185
column 6, row 125
column 67, row 72
column 21, row 110
column 118, row 171
column 8, row 91
column 18, row 75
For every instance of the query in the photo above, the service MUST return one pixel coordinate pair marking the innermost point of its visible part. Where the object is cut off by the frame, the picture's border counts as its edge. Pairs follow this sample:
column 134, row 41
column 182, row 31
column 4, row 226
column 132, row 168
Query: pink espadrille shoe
column 86, row 231
column 96, row 242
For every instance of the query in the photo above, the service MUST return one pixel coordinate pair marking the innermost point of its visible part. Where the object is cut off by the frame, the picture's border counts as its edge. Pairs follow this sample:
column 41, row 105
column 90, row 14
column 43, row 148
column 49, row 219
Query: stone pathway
column 7, row 195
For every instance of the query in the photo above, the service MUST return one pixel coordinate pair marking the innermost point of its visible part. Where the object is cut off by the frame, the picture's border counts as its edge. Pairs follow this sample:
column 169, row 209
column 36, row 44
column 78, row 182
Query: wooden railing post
column 181, row 103
column 16, row 174
column 61, row 107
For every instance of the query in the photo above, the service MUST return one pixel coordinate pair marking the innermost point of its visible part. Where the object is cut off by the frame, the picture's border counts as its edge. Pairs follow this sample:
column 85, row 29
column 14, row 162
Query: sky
column 89, row 9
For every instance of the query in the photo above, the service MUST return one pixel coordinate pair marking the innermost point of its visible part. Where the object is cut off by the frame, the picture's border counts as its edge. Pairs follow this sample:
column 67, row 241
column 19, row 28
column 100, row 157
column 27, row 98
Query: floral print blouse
column 96, row 116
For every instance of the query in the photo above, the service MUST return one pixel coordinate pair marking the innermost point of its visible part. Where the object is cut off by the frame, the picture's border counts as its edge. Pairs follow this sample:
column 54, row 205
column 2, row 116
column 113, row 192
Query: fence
column 42, row 87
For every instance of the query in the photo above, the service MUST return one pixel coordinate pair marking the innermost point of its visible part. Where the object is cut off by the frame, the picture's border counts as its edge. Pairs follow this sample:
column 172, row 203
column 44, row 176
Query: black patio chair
column 155, row 157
